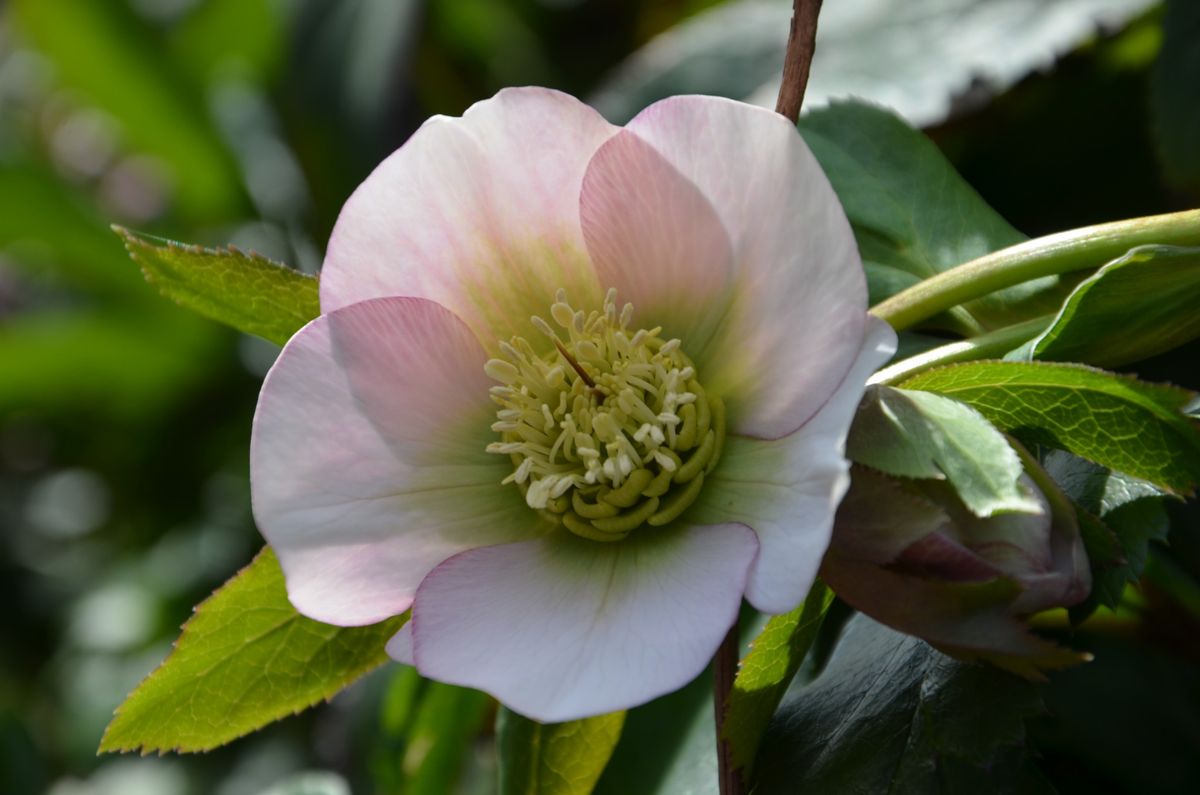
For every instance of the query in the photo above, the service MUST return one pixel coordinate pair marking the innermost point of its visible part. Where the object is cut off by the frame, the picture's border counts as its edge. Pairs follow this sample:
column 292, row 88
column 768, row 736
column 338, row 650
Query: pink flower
column 573, row 507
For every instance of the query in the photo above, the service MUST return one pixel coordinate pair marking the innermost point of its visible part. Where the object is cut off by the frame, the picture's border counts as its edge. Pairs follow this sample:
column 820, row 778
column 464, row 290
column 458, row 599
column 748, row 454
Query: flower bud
column 914, row 557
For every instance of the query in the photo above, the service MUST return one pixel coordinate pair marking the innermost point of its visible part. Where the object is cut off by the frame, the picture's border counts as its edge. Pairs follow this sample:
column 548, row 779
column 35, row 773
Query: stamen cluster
column 609, row 429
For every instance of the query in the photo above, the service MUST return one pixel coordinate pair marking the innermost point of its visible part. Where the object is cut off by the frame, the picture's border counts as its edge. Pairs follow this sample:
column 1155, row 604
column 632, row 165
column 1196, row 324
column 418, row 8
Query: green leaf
column 892, row 715
column 1135, row 307
column 554, row 758
column 1115, row 421
column 117, row 363
column 439, row 738
column 111, row 59
column 1129, row 513
column 245, row 659
column 765, row 673
column 908, row 55
column 922, row 435
column 1173, row 96
column 246, row 291
column 912, row 214
column 668, row 746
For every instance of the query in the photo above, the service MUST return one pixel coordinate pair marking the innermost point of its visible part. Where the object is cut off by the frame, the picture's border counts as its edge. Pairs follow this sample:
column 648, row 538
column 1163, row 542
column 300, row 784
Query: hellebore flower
column 576, row 389
column 913, row 557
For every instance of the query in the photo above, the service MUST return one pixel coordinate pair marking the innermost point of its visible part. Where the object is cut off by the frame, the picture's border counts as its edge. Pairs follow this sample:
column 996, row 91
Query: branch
column 796, row 63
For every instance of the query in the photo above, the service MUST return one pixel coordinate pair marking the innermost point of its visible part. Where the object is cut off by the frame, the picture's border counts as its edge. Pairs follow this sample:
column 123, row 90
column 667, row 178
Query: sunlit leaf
column 922, row 435
column 245, row 659
column 555, row 758
column 245, row 291
column 765, row 673
column 1135, row 307
column 891, row 714
column 1115, row 421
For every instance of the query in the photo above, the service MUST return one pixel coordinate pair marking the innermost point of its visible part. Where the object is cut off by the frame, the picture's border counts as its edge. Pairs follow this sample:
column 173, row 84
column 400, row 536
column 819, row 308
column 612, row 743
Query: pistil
column 621, row 437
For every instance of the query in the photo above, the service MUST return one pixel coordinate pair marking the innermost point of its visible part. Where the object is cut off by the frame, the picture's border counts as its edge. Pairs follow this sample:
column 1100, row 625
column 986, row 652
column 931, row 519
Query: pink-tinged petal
column 797, row 321
column 563, row 628
column 788, row 489
column 658, row 240
column 400, row 647
column 367, row 461
column 478, row 213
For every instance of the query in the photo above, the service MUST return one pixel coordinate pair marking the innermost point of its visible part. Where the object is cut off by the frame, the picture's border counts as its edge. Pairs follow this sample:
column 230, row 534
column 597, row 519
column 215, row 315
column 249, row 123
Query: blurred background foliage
column 124, row 421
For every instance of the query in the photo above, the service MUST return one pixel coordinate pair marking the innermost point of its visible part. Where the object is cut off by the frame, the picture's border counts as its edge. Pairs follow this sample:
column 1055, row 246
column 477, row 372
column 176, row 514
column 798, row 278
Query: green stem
column 985, row 346
column 1064, row 252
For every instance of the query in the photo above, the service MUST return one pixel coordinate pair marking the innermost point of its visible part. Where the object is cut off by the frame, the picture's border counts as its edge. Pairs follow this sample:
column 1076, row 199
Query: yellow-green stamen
column 609, row 429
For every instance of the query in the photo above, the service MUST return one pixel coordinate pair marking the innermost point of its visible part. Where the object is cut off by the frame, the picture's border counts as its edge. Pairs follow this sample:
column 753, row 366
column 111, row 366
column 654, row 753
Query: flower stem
column 724, row 671
column 796, row 62
column 985, row 346
column 1064, row 252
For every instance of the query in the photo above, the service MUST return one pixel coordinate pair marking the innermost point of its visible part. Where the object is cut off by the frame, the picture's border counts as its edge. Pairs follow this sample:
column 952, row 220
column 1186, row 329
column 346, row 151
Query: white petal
column 479, row 213
column 367, row 461
column 658, row 240
column 788, row 489
column 799, row 314
column 563, row 628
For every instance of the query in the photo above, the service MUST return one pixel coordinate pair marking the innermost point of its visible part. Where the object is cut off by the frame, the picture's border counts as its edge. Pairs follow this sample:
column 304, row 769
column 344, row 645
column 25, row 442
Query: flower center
column 610, row 429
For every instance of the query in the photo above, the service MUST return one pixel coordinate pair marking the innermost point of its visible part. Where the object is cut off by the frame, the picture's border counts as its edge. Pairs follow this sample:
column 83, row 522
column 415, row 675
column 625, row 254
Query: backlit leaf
column 246, row 291
column 245, row 659
column 1115, row 421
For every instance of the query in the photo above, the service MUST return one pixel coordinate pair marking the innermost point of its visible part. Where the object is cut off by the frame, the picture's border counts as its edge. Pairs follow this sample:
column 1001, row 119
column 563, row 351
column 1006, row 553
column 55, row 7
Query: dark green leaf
column 892, row 715
column 765, row 673
column 1115, row 421
column 908, row 55
column 1175, row 99
column 245, row 659
column 1135, row 307
column 667, row 746
column 555, row 758
column 913, row 215
column 922, row 435
column 1124, row 515
column 246, row 291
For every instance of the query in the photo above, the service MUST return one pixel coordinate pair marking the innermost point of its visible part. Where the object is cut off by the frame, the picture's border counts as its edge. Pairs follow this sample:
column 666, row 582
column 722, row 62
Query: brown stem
column 724, row 670
column 801, row 44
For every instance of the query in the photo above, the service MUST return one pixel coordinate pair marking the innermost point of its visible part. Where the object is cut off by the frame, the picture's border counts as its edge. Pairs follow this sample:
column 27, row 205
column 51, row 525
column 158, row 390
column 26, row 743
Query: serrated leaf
column 245, row 291
column 922, row 435
column 1115, row 421
column 1135, row 307
column 554, row 758
column 1174, row 99
column 892, row 715
column 765, row 673
column 245, row 659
